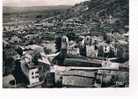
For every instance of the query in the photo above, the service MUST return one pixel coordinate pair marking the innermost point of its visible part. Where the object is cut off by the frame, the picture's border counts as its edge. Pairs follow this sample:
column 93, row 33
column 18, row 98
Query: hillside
column 89, row 17
column 99, row 16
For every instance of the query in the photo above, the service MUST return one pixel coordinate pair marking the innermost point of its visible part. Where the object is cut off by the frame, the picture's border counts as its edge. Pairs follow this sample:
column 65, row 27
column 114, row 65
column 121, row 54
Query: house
column 15, row 39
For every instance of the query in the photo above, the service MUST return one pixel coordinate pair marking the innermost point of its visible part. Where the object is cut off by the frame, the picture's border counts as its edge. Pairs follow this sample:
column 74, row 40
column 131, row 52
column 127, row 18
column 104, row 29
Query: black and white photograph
column 65, row 44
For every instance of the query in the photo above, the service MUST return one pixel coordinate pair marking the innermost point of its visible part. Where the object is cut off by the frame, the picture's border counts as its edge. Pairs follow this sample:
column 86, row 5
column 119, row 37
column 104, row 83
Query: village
column 64, row 53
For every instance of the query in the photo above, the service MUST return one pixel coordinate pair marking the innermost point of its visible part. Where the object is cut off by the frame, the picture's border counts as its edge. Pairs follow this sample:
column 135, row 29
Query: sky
column 24, row 3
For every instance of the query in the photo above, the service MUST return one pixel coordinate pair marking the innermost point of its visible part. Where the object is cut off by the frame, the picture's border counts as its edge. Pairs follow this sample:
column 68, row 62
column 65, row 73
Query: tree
column 58, row 43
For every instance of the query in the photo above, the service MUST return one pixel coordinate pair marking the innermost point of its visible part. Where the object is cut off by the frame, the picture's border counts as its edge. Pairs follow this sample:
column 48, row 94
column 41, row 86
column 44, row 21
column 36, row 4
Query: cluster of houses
column 26, row 38
column 97, row 46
